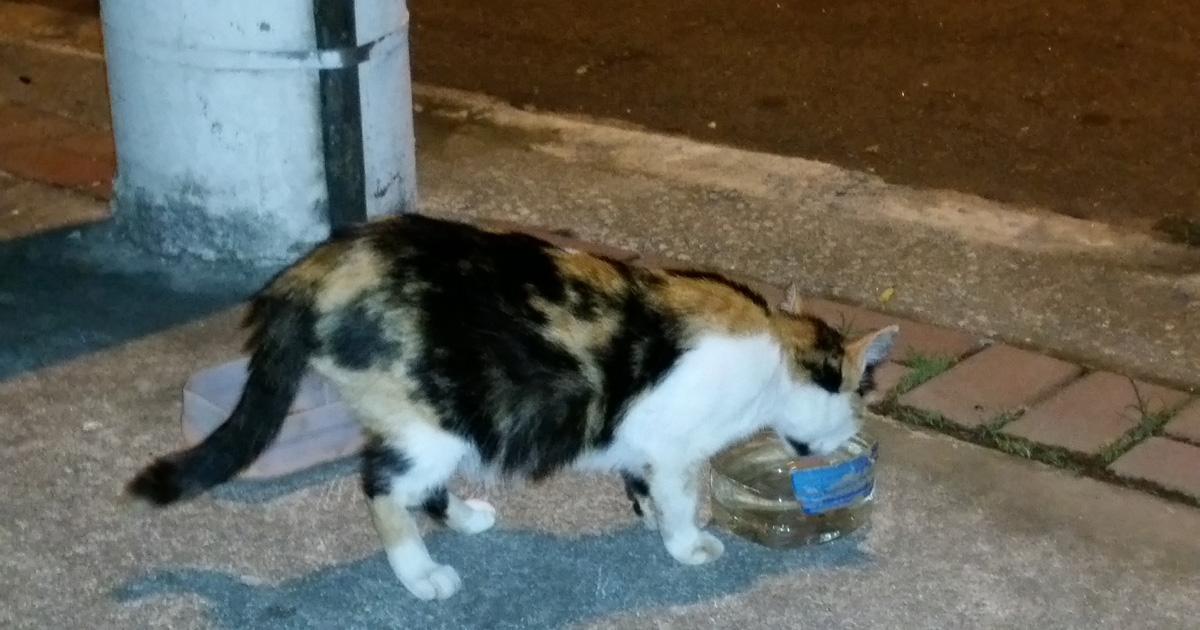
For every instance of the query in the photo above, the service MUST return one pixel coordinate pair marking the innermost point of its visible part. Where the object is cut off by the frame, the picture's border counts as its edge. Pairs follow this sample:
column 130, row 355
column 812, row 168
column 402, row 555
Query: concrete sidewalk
column 963, row 537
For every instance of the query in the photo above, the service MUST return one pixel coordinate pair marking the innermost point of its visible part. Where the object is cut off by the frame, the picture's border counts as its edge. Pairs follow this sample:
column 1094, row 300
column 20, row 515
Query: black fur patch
column 486, row 364
column 827, row 371
column 635, row 490
column 801, row 448
column 156, row 483
column 826, row 374
column 437, row 504
column 647, row 345
column 747, row 292
column 586, row 302
column 359, row 340
column 828, row 339
column 380, row 463
column 867, row 384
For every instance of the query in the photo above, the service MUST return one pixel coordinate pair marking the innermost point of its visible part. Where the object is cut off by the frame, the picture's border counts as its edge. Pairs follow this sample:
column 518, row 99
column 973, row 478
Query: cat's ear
column 792, row 302
column 870, row 350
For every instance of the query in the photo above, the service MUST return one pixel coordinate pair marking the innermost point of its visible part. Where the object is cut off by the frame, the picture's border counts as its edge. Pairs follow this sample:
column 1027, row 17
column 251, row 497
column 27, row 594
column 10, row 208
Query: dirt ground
column 1083, row 107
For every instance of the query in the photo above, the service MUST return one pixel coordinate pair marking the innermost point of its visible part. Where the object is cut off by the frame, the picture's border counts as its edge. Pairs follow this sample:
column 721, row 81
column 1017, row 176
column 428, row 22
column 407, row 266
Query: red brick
column 559, row 238
column 887, row 377
column 21, row 126
column 915, row 337
column 1186, row 423
column 1093, row 412
column 1001, row 379
column 97, row 144
column 1170, row 464
column 52, row 164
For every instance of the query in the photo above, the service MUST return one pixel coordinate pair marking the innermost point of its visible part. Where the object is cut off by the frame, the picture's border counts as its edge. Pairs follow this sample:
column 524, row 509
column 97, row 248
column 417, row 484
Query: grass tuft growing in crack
column 923, row 368
column 1149, row 423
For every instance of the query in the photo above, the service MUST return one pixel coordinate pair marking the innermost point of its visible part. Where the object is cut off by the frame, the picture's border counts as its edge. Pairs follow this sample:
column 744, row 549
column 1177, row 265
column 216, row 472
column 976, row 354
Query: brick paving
column 51, row 149
column 1185, row 425
column 888, row 377
column 1168, row 463
column 986, row 386
column 1094, row 412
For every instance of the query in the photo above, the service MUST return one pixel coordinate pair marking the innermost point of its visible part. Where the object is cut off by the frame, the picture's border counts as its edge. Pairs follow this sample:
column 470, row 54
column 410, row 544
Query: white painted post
column 233, row 122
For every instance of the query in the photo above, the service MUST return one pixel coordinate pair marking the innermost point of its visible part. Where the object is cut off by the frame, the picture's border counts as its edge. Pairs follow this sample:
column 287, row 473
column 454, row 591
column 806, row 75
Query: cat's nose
column 801, row 448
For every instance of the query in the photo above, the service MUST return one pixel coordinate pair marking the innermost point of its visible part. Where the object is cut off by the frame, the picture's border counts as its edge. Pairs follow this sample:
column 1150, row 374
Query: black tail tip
column 157, row 484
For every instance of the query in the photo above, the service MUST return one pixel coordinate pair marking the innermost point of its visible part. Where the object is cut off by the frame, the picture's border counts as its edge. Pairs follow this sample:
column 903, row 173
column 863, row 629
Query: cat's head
column 829, row 377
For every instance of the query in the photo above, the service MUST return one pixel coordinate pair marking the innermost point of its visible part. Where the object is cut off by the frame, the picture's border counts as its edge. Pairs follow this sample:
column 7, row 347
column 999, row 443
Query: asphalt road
column 1082, row 107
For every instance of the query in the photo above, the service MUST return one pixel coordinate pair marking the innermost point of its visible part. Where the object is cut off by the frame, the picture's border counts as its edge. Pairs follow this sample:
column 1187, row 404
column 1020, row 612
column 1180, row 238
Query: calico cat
column 464, row 349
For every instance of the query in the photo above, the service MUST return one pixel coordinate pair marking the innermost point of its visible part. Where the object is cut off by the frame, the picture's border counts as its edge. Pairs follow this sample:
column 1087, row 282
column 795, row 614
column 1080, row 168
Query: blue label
column 820, row 490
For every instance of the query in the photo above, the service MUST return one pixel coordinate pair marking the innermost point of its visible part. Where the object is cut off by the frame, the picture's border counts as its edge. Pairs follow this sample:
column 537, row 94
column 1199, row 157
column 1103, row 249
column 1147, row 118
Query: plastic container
column 318, row 427
column 762, row 492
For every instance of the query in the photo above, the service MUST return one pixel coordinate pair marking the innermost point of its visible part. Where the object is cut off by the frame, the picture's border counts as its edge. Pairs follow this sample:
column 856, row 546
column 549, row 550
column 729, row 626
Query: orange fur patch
column 596, row 272
column 712, row 305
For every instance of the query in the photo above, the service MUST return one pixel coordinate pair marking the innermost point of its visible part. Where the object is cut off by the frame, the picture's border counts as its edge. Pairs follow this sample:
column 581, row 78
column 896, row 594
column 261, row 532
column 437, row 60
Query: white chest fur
column 721, row 390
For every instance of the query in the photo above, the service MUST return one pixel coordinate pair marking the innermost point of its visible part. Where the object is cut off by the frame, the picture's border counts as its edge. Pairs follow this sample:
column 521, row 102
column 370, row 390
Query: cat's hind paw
column 472, row 517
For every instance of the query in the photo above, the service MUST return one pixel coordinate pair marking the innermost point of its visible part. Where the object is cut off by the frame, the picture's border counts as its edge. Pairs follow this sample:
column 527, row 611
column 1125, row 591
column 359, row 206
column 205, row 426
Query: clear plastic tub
column 318, row 427
column 764, row 493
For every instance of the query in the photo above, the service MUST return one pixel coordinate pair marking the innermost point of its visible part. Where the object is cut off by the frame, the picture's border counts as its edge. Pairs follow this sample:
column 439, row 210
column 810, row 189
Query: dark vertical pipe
column 341, row 116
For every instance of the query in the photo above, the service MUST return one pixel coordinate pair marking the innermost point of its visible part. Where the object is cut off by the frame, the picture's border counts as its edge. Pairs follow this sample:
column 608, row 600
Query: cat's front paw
column 440, row 581
column 697, row 548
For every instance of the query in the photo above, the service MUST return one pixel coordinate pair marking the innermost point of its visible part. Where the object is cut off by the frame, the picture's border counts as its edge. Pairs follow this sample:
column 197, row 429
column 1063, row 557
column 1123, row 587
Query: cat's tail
column 282, row 339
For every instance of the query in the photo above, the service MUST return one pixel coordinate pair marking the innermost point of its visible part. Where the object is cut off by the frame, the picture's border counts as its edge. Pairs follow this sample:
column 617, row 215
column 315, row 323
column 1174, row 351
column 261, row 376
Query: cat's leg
column 468, row 517
column 638, row 492
column 400, row 475
column 675, row 489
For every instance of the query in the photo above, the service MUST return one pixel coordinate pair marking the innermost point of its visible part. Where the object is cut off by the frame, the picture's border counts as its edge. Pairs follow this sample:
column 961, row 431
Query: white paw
column 439, row 582
column 697, row 548
column 477, row 516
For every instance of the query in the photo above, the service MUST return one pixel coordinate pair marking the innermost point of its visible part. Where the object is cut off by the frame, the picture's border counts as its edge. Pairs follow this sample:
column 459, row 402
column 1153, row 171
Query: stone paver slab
column 915, row 337
column 998, row 380
column 1168, row 463
column 1093, row 412
column 1186, row 423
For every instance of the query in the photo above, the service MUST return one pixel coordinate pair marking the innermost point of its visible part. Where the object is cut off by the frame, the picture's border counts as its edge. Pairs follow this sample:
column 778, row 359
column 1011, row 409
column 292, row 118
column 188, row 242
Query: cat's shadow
column 512, row 579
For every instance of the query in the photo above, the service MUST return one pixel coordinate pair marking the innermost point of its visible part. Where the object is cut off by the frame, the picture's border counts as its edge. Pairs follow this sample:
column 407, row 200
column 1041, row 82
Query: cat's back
column 411, row 255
